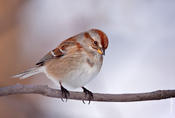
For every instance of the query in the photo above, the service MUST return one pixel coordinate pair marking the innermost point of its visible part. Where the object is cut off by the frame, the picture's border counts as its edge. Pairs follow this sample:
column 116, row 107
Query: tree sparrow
column 75, row 62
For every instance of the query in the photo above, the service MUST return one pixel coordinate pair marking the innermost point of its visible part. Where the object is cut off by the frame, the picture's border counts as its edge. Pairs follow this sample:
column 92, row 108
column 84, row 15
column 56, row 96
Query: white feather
column 29, row 72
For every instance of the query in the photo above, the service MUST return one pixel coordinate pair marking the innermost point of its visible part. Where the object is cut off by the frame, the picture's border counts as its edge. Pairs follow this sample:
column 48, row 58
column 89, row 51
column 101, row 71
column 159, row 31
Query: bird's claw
column 88, row 95
column 65, row 93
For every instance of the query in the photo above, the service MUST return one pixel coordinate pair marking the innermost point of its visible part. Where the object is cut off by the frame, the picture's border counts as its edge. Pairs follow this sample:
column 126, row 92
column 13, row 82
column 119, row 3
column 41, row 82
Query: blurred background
column 140, row 57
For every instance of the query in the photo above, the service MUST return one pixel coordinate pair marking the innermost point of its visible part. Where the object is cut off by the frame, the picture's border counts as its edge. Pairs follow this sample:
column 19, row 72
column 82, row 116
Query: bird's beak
column 100, row 51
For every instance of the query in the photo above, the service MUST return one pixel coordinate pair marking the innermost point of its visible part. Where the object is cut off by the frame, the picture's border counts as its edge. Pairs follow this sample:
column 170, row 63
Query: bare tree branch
column 46, row 91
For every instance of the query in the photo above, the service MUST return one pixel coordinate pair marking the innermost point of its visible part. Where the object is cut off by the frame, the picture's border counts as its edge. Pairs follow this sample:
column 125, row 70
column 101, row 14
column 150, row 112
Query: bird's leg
column 88, row 94
column 65, row 93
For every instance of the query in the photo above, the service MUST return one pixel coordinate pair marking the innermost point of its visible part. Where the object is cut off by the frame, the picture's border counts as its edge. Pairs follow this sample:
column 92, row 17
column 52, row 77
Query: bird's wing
column 59, row 51
column 56, row 53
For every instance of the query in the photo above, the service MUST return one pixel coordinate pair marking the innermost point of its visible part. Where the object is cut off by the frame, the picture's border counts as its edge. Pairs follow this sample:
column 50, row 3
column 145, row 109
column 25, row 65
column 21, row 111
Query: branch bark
column 47, row 91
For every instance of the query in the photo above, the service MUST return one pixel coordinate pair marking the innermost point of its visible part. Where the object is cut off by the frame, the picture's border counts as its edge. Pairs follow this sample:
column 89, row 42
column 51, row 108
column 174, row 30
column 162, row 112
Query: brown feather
column 104, row 38
column 59, row 51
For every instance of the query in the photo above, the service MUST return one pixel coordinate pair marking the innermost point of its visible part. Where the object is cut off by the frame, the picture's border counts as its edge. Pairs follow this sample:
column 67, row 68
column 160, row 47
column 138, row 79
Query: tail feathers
column 29, row 72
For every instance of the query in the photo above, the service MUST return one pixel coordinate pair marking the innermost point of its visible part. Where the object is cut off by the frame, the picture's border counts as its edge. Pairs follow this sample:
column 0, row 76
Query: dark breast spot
column 91, row 64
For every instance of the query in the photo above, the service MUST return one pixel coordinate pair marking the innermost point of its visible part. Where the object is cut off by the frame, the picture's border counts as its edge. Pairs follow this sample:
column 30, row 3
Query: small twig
column 47, row 91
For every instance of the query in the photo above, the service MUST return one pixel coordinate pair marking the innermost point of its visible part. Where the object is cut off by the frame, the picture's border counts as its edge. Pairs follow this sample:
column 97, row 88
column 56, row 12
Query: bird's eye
column 95, row 42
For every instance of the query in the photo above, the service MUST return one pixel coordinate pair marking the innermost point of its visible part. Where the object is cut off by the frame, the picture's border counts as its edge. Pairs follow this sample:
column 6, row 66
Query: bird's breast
column 75, row 71
column 82, row 75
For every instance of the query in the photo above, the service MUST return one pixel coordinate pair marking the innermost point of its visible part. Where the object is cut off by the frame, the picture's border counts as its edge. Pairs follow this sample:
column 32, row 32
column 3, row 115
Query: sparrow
column 73, row 63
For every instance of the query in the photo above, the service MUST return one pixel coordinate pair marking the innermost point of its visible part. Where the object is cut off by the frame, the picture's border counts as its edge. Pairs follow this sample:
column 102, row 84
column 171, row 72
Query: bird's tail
column 29, row 72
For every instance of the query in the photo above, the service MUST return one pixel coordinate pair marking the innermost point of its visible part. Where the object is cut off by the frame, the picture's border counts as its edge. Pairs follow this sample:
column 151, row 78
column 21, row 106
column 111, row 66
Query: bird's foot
column 65, row 93
column 88, row 95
